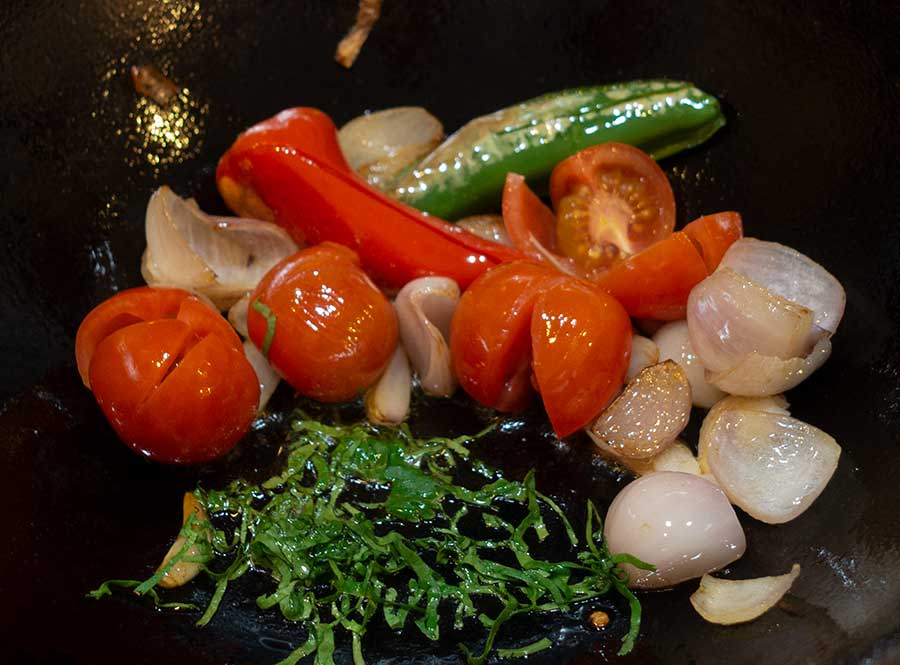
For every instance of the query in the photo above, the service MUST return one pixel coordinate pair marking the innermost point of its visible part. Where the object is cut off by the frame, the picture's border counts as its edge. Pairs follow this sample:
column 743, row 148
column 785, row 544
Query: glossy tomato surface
column 334, row 331
column 169, row 373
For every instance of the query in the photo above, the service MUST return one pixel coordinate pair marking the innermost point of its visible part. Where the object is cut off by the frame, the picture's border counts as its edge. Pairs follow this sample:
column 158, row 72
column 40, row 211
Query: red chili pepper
column 290, row 169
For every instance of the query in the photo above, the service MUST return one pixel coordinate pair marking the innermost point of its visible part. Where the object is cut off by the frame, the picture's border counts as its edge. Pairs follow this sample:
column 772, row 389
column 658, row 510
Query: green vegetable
column 271, row 321
column 368, row 521
column 465, row 174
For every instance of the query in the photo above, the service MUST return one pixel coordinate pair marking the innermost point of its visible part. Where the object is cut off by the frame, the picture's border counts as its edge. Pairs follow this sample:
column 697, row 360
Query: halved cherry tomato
column 581, row 343
column 522, row 318
column 169, row 373
column 714, row 234
column 611, row 200
column 655, row 283
column 334, row 330
column 490, row 334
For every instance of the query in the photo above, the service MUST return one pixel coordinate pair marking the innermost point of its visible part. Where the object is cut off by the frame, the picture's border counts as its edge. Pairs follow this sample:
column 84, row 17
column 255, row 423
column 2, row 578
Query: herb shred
column 367, row 521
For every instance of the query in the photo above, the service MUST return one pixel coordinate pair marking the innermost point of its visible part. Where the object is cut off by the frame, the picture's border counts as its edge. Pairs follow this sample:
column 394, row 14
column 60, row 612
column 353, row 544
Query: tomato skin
column 490, row 333
column 334, row 331
column 612, row 200
column 655, row 283
column 714, row 234
column 168, row 373
column 526, row 218
column 581, row 344
column 525, row 325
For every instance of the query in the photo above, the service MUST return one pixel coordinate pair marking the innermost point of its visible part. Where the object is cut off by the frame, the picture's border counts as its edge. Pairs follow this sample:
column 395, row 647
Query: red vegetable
column 714, row 234
column 525, row 317
column 289, row 169
column 334, row 331
column 655, row 283
column 169, row 373
column 611, row 200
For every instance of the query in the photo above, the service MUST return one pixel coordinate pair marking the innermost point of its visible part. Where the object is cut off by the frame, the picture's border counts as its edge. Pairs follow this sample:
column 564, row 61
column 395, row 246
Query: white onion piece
column 183, row 571
column 266, row 375
column 222, row 258
column 380, row 145
column 649, row 414
column 727, row 602
column 643, row 354
column 425, row 307
column 790, row 274
column 771, row 465
column 387, row 402
column 237, row 316
column 757, row 375
column 729, row 317
column 679, row 522
column 489, row 227
column 674, row 343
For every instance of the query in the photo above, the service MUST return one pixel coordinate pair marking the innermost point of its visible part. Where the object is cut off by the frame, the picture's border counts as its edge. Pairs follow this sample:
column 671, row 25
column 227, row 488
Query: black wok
column 809, row 157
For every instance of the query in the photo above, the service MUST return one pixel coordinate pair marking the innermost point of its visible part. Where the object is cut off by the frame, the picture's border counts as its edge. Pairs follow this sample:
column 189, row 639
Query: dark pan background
column 809, row 157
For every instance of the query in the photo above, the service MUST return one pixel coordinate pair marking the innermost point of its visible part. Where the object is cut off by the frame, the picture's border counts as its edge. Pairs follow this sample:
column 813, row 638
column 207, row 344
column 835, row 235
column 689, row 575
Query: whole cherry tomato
column 524, row 324
column 322, row 323
column 169, row 373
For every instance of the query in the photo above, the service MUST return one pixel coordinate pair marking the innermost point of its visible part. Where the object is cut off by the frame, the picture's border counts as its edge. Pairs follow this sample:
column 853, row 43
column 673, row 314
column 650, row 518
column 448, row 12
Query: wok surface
column 809, row 157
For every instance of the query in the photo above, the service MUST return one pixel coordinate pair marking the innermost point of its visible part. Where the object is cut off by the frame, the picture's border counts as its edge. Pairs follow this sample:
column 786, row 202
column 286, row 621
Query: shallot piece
column 237, row 316
column 678, row 522
column 387, row 402
column 150, row 82
column 222, row 258
column 380, row 145
column 425, row 307
column 266, row 375
column 184, row 571
column 643, row 354
column 677, row 457
column 649, row 414
column 752, row 341
column 489, row 227
column 674, row 343
column 350, row 46
column 791, row 275
column 769, row 464
column 727, row 602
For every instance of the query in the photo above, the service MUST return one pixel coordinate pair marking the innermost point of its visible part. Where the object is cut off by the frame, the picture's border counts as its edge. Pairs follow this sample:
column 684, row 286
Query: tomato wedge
column 581, row 344
column 490, row 334
column 169, row 374
column 334, row 331
column 611, row 200
column 655, row 283
column 714, row 234
column 524, row 324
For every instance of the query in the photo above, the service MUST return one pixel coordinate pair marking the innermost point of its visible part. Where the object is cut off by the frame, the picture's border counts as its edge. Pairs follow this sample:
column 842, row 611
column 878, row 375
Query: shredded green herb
column 271, row 320
column 368, row 521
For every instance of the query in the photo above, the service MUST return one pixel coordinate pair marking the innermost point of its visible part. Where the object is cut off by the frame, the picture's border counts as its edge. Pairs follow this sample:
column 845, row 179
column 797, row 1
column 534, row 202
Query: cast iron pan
column 809, row 157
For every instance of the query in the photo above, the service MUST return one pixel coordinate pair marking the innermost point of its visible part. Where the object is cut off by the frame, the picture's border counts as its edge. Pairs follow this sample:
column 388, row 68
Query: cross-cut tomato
column 525, row 319
column 169, row 373
column 611, row 200
column 334, row 331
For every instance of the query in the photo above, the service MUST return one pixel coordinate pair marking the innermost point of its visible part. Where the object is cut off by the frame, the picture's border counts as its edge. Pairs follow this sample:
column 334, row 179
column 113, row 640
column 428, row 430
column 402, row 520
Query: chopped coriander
column 271, row 320
column 367, row 521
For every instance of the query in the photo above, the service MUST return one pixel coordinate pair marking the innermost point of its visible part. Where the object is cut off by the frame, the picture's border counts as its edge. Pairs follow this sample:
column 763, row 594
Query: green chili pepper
column 465, row 174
